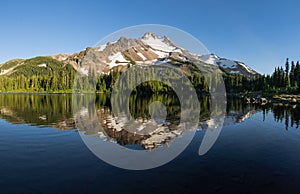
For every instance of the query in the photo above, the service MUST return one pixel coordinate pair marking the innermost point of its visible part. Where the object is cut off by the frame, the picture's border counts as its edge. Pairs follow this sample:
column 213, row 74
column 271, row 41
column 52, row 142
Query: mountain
column 152, row 49
column 34, row 66
column 57, row 73
column 149, row 49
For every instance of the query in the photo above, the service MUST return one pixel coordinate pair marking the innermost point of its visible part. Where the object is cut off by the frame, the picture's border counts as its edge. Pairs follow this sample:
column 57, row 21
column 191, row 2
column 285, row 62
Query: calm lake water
column 41, row 151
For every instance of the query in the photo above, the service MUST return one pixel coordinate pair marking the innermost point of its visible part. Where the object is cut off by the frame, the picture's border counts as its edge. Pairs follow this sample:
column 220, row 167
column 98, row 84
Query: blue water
column 255, row 156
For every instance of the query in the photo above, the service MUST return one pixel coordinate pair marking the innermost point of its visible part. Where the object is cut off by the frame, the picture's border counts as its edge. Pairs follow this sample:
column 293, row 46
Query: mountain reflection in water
column 60, row 112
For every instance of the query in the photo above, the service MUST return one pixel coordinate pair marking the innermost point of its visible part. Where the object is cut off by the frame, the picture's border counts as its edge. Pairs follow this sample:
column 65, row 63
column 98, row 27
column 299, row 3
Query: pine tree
column 275, row 78
column 286, row 76
column 287, row 66
column 297, row 75
column 292, row 74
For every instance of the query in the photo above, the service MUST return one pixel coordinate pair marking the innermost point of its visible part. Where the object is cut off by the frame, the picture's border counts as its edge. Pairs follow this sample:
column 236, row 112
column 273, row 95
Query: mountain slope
column 232, row 66
column 33, row 66
column 149, row 49
column 39, row 74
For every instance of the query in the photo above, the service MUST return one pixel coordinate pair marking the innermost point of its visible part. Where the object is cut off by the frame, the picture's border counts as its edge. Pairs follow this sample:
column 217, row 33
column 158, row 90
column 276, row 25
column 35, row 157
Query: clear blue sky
column 260, row 33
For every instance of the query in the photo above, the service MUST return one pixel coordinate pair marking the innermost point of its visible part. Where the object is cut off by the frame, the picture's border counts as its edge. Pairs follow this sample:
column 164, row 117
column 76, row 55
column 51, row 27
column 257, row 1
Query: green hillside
column 39, row 74
column 10, row 64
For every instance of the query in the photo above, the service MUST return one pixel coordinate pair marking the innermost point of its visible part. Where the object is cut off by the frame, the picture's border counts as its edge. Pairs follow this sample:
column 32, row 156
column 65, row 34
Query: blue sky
column 260, row 33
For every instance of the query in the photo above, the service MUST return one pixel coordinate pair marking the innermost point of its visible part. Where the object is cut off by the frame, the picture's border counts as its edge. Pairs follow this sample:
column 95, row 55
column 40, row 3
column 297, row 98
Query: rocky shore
column 275, row 99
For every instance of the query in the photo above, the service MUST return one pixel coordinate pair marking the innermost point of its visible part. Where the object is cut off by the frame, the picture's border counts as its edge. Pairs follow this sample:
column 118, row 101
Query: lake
column 42, row 148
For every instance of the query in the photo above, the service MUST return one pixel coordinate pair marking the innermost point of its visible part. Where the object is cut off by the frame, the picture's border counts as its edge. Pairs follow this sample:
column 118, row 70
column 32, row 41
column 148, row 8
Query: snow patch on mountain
column 246, row 67
column 157, row 43
column 225, row 63
column 101, row 48
column 42, row 65
column 160, row 54
column 142, row 56
column 116, row 59
column 209, row 59
column 233, row 66
column 160, row 62
column 217, row 61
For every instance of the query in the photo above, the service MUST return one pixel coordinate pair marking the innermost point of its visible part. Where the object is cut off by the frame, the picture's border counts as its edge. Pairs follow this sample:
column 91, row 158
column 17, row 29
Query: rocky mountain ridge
column 150, row 49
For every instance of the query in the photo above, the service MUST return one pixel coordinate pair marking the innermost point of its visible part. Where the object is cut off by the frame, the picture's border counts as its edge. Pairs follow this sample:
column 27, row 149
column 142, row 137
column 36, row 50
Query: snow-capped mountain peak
column 157, row 43
column 151, row 49
column 149, row 35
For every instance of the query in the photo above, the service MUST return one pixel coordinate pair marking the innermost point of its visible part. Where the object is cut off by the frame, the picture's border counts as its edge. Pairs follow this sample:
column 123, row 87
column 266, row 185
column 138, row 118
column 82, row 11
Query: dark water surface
column 41, row 151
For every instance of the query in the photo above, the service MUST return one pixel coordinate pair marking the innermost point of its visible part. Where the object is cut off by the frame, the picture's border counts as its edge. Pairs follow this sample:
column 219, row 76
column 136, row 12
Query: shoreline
column 281, row 99
column 249, row 98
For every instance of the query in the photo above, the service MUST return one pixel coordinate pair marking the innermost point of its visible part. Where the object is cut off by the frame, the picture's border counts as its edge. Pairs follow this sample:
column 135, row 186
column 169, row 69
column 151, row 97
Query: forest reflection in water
column 59, row 111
